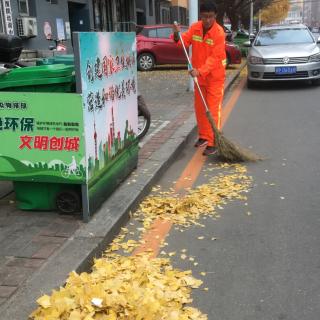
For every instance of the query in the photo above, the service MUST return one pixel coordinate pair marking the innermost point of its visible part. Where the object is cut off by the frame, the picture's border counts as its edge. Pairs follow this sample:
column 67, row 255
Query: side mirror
column 247, row 44
column 318, row 41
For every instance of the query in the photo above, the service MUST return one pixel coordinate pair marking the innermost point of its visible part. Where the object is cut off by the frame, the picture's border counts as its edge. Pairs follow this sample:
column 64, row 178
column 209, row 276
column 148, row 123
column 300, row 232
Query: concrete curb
column 91, row 240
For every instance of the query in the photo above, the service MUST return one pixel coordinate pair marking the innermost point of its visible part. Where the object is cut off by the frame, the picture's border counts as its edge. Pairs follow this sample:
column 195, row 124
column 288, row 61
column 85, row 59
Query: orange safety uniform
column 209, row 58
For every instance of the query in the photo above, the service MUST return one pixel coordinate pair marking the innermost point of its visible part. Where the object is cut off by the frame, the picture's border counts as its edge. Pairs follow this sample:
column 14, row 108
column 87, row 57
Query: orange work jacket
column 208, row 52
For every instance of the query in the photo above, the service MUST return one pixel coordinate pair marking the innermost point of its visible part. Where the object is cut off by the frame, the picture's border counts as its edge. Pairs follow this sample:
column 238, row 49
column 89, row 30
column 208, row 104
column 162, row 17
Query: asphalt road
column 265, row 263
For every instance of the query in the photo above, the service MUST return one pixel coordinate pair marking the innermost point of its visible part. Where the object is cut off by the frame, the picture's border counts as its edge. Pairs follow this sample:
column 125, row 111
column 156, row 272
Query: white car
column 284, row 53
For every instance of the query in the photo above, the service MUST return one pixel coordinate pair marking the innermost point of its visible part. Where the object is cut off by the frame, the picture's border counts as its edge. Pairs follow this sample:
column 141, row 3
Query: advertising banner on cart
column 108, row 84
column 42, row 139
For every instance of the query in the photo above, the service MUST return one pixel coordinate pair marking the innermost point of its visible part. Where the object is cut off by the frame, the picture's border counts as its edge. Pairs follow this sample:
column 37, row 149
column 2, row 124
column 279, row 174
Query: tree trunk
column 220, row 18
column 234, row 19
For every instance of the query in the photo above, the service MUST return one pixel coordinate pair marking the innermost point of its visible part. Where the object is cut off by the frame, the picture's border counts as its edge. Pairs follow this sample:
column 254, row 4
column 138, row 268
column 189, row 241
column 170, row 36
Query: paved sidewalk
column 39, row 249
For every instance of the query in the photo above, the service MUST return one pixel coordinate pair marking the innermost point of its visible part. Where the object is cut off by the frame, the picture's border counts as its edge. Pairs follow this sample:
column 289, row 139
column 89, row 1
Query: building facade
column 311, row 13
column 114, row 15
column 146, row 12
column 161, row 11
column 295, row 14
column 179, row 11
column 35, row 21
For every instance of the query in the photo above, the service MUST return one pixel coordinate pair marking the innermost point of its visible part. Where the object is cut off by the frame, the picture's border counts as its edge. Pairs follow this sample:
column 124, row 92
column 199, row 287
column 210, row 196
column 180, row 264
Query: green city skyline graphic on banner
column 42, row 137
column 107, row 82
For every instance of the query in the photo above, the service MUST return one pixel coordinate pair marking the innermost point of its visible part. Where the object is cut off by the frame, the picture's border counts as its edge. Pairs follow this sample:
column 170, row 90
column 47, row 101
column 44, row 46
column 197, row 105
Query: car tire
column 251, row 84
column 315, row 82
column 146, row 62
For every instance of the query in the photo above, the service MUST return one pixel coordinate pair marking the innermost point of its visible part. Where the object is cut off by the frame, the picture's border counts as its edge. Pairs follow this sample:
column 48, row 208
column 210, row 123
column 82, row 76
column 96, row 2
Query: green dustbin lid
column 39, row 75
column 67, row 59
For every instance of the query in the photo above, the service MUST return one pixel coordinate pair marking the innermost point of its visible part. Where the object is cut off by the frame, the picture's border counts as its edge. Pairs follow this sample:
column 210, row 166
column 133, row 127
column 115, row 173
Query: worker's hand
column 176, row 28
column 194, row 73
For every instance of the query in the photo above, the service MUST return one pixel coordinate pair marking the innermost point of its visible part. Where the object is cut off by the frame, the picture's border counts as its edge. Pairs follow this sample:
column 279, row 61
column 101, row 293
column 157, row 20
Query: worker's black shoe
column 200, row 143
column 209, row 151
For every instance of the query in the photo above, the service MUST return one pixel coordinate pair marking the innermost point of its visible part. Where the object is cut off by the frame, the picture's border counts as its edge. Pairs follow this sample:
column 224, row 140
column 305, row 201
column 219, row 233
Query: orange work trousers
column 214, row 97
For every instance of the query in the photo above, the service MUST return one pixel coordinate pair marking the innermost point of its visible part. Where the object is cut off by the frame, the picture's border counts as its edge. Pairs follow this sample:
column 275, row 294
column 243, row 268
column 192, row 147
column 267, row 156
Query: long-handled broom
column 227, row 150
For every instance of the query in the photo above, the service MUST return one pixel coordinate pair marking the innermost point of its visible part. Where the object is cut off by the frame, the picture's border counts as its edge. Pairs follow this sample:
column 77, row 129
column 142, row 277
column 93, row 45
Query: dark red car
column 154, row 47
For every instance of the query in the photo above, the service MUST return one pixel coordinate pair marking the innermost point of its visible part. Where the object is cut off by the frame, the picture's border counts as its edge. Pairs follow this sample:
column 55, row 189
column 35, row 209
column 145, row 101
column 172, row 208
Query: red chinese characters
column 46, row 143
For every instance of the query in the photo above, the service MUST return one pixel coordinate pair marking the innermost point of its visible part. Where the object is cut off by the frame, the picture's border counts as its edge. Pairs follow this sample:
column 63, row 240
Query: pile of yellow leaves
column 185, row 210
column 140, row 288
column 131, row 288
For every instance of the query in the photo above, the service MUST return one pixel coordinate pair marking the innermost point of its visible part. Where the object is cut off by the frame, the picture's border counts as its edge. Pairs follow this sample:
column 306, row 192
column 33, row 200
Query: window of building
column 23, row 7
column 2, row 30
column 150, row 8
column 103, row 13
column 165, row 15
column 123, row 15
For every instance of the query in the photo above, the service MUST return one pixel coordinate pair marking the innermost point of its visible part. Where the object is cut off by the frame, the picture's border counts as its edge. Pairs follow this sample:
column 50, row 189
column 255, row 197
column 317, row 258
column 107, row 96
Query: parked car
column 283, row 53
column 154, row 47
column 316, row 32
column 240, row 39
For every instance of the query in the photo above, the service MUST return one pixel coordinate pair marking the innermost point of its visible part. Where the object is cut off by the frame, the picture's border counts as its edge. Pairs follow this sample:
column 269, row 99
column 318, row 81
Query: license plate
column 286, row 70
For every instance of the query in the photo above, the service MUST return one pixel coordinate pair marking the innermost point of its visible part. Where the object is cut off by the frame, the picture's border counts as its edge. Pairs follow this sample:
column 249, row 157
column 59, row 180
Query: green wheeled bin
column 48, row 196
column 45, row 78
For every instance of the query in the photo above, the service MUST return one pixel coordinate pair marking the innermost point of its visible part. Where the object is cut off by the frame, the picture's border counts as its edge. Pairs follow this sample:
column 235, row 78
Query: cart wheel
column 68, row 201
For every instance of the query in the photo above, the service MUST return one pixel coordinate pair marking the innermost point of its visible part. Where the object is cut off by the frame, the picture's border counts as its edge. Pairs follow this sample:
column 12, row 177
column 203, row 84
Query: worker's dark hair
column 208, row 6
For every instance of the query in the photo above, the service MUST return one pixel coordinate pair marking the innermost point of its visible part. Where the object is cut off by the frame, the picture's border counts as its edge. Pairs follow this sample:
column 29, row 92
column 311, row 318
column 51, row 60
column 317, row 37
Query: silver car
column 282, row 53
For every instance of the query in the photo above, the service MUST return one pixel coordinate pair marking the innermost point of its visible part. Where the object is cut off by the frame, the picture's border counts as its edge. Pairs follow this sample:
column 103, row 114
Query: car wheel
column 146, row 62
column 251, row 84
column 315, row 82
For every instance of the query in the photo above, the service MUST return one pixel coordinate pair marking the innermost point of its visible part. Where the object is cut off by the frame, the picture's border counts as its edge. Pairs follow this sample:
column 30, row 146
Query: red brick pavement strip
column 25, row 262
column 17, row 269
column 6, row 292
column 60, row 228
column 46, row 251
column 162, row 136
column 14, row 276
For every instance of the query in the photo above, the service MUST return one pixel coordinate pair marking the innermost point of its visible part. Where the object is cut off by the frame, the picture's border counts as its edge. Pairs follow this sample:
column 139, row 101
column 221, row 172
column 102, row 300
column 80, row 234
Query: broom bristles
column 227, row 150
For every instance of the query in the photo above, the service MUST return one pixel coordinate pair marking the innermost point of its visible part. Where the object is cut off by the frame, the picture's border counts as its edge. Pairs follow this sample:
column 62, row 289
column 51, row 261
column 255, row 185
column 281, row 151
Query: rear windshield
column 283, row 36
column 163, row 32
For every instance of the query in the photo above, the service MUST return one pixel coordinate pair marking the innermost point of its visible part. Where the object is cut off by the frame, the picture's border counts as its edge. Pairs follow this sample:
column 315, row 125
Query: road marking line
column 160, row 228
column 154, row 237
column 191, row 171
column 226, row 111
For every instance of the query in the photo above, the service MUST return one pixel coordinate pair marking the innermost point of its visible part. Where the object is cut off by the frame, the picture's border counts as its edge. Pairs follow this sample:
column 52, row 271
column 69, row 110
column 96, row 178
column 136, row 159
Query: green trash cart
column 58, row 78
column 67, row 59
column 46, row 78
column 70, row 124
